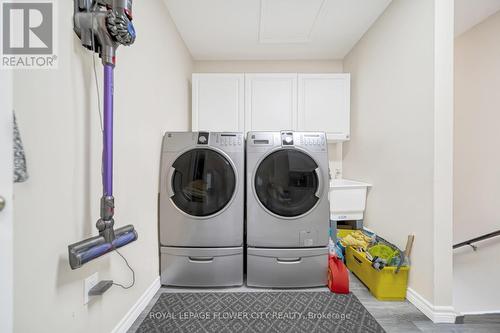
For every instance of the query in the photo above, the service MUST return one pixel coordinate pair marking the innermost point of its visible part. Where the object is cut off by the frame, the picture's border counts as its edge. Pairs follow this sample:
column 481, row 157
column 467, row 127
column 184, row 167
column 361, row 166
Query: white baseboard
column 137, row 308
column 476, row 313
column 438, row 314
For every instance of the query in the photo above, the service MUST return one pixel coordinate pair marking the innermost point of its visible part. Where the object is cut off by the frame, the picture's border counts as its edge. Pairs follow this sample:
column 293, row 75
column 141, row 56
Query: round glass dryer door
column 203, row 182
column 286, row 183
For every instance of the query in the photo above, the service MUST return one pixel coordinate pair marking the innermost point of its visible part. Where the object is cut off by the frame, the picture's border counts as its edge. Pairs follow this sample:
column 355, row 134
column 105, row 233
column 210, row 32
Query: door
column 270, row 102
column 218, row 102
column 6, row 213
column 287, row 183
column 324, row 104
column 202, row 182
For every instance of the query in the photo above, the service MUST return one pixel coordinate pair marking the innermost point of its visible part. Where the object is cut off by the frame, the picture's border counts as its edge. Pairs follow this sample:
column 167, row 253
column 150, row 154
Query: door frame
column 6, row 216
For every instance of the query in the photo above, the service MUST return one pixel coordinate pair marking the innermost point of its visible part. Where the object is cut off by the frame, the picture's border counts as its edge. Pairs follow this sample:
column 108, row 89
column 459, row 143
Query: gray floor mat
column 270, row 311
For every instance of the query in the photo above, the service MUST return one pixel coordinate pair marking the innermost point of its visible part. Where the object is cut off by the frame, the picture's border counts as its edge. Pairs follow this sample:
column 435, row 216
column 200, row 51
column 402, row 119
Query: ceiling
column 273, row 29
column 468, row 13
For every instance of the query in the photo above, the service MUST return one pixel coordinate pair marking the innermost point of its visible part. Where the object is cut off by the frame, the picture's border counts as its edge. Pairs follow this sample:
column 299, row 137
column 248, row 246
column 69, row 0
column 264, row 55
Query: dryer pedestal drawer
column 201, row 267
column 287, row 268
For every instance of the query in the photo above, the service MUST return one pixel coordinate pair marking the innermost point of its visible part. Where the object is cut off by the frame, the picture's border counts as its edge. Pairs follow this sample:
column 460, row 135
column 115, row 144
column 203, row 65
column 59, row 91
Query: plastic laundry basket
column 386, row 284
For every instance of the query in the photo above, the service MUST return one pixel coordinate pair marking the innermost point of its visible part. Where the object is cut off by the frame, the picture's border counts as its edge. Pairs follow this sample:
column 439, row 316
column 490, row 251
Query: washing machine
column 201, row 209
column 287, row 209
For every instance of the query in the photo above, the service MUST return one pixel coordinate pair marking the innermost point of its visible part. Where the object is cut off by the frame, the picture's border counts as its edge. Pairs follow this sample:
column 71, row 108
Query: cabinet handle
column 357, row 259
column 288, row 260
column 201, row 259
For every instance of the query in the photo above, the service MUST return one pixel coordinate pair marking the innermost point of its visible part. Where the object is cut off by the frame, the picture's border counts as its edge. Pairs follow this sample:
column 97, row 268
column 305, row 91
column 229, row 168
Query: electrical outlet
column 88, row 284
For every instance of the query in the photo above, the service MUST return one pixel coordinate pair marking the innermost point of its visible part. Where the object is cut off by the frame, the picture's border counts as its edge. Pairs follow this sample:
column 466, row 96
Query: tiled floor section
column 400, row 317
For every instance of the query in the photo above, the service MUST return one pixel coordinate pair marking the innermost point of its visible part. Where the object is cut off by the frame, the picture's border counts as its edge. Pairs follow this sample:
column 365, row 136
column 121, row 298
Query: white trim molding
column 438, row 314
column 443, row 154
column 139, row 306
column 480, row 313
column 7, row 214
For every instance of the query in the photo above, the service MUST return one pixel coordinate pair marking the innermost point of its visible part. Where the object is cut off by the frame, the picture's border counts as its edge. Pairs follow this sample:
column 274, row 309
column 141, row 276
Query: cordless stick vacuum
column 102, row 26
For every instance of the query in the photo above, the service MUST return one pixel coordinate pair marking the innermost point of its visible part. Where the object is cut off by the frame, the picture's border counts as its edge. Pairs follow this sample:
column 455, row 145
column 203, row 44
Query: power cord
column 98, row 93
column 95, row 77
column 131, row 269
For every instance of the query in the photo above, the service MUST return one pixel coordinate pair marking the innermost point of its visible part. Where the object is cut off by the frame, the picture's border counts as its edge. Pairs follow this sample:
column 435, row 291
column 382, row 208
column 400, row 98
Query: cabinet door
column 270, row 102
column 324, row 104
column 218, row 102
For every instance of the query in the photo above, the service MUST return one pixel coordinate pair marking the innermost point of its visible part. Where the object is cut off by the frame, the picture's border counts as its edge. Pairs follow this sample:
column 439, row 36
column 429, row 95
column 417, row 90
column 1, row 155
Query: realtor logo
column 28, row 34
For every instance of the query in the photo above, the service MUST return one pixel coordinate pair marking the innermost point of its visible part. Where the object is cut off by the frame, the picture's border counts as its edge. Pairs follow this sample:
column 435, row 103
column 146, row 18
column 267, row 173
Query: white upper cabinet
column 324, row 104
column 218, row 102
column 273, row 102
column 270, row 102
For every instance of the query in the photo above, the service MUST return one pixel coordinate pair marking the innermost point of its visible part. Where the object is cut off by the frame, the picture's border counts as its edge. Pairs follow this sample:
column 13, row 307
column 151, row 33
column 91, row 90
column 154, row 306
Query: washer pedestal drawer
column 201, row 267
column 287, row 268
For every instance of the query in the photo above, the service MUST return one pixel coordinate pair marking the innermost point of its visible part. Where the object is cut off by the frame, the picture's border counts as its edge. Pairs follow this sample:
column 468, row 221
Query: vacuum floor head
column 91, row 248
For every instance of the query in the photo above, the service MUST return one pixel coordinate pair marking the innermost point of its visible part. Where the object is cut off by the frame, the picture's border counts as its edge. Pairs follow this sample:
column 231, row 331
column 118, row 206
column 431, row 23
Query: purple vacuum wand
column 107, row 160
column 106, row 222
column 103, row 25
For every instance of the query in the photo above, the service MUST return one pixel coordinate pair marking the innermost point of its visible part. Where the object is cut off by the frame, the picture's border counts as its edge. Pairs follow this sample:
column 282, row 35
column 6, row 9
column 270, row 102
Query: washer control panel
column 228, row 139
column 312, row 140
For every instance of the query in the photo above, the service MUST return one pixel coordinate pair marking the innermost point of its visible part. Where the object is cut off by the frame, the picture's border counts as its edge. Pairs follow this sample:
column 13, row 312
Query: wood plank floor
column 397, row 317
column 405, row 317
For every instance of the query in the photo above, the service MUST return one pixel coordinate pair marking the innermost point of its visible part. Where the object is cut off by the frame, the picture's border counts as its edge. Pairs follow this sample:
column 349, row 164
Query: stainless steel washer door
column 287, row 183
column 202, row 182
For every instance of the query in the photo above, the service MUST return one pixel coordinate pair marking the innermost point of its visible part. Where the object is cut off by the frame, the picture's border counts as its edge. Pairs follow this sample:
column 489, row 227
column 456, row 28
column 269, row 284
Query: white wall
column 59, row 204
column 392, row 117
column 477, row 165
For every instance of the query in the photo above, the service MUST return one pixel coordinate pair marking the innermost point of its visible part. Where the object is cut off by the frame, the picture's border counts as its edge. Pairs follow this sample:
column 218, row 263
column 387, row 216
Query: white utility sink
column 347, row 199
